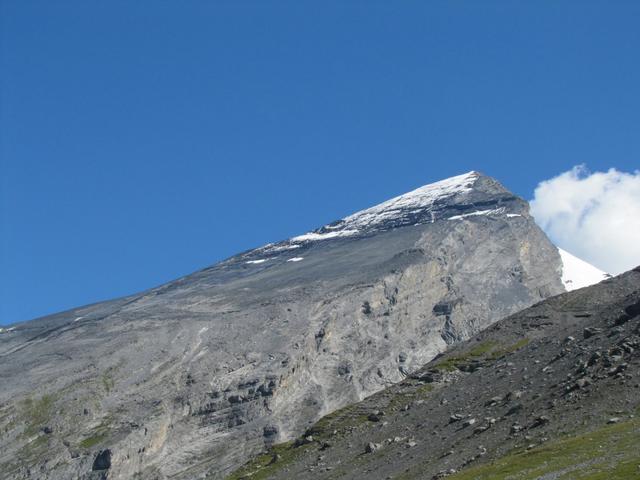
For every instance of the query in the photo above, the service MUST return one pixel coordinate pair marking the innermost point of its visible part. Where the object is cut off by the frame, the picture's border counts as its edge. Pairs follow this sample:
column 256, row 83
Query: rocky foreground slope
column 192, row 378
column 552, row 392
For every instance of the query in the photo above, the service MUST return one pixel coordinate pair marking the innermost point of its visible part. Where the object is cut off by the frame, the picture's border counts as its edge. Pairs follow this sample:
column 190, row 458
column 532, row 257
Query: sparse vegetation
column 107, row 381
column 609, row 453
column 267, row 463
column 93, row 440
column 340, row 420
column 37, row 413
column 501, row 352
column 488, row 350
column 283, row 454
column 401, row 400
column 97, row 435
column 454, row 362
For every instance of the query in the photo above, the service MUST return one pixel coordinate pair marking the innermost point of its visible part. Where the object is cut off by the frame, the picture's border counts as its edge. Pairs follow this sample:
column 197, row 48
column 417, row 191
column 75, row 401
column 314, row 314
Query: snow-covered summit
column 461, row 196
column 419, row 198
column 416, row 206
column 457, row 198
column 577, row 273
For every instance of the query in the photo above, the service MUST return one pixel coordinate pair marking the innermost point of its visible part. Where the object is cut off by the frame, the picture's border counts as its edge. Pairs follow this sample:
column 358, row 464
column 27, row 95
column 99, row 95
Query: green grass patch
column 488, row 350
column 340, row 420
column 422, row 391
column 93, row 440
column 454, row 362
column 98, row 435
column 285, row 454
column 609, row 453
column 482, row 348
column 264, row 465
column 37, row 413
column 501, row 352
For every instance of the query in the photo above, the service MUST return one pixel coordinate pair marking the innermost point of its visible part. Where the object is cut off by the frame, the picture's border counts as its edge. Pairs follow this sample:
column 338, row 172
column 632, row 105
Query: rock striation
column 190, row 379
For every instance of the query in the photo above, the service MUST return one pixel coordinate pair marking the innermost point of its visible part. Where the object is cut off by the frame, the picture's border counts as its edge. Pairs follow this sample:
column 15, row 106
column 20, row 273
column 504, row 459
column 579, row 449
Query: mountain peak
column 469, row 194
column 427, row 194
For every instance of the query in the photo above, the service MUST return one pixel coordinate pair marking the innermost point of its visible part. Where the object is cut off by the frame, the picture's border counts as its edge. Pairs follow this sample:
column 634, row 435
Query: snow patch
column 577, row 273
column 496, row 211
column 295, row 259
column 282, row 247
column 313, row 236
column 262, row 260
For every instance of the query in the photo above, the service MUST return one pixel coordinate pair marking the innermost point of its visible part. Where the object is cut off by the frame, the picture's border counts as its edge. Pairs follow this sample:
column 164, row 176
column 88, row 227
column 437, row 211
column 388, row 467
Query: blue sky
column 140, row 141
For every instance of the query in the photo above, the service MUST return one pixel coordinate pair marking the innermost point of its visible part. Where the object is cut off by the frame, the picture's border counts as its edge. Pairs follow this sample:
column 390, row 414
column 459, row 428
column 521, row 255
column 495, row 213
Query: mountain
column 192, row 378
column 550, row 392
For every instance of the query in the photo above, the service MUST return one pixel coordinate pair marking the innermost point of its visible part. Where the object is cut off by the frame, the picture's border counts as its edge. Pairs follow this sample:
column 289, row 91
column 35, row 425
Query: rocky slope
column 192, row 378
column 551, row 392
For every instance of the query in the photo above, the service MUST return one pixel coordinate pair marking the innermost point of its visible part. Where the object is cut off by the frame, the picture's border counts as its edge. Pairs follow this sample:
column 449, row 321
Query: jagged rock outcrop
column 190, row 379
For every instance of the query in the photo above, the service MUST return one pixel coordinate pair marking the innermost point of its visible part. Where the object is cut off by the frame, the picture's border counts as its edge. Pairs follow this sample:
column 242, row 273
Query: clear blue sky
column 140, row 141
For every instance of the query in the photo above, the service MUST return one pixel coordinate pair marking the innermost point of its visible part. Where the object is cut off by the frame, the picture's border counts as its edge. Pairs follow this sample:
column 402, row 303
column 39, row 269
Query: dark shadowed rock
column 102, row 460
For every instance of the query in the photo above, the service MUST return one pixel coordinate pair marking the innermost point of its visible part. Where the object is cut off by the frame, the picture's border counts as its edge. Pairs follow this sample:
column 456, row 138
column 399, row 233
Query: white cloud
column 595, row 216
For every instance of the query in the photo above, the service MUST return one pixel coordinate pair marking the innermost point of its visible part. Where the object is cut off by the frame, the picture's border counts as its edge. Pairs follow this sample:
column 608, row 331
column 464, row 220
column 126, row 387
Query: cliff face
column 549, row 392
column 190, row 379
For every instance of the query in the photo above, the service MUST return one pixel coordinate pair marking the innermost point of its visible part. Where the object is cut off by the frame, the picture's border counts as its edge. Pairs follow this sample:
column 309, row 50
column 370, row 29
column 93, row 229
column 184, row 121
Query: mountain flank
column 550, row 392
column 193, row 378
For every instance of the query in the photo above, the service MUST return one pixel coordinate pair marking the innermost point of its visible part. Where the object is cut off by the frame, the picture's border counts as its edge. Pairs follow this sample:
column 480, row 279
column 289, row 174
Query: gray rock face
column 536, row 385
column 190, row 379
